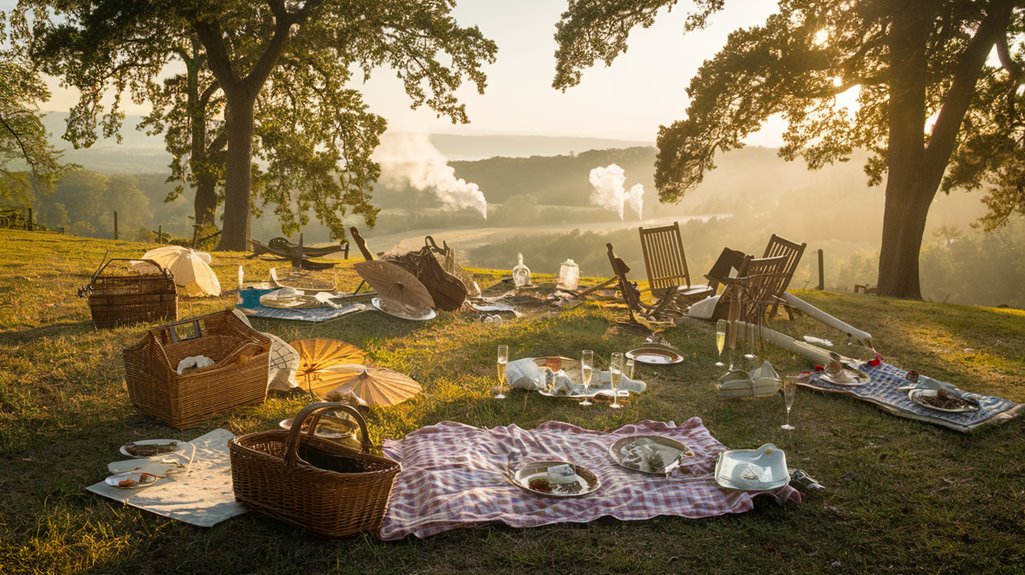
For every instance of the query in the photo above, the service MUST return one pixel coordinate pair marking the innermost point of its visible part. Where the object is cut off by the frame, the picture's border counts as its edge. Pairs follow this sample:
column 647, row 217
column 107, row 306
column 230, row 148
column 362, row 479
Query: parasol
column 394, row 284
column 375, row 386
column 317, row 355
column 191, row 269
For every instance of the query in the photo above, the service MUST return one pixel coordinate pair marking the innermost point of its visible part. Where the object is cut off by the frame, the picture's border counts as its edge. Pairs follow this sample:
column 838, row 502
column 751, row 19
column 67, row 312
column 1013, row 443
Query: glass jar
column 521, row 273
column 569, row 275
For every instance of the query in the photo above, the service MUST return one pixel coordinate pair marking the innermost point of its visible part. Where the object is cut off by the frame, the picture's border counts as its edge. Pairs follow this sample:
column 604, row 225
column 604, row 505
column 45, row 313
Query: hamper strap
column 313, row 412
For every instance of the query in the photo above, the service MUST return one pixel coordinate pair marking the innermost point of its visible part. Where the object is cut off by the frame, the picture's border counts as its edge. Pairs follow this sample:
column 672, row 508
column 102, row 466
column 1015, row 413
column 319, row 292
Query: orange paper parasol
column 396, row 285
column 374, row 385
column 317, row 355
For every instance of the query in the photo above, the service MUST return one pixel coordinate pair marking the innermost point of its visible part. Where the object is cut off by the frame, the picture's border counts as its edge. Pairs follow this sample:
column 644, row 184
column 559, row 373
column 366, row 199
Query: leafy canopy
column 313, row 134
column 823, row 66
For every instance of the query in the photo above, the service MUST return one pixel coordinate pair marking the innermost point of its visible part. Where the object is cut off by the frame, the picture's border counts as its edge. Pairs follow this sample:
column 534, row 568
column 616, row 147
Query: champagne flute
column 586, row 372
column 789, row 391
column 503, row 359
column 720, row 339
column 615, row 374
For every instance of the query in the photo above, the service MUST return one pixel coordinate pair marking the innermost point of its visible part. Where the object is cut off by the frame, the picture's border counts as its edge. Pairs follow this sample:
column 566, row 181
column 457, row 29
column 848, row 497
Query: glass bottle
column 521, row 273
column 569, row 275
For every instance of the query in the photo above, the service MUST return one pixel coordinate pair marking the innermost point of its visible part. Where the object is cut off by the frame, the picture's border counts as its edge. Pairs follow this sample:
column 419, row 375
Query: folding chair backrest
column 792, row 252
column 631, row 295
column 757, row 280
column 664, row 258
column 361, row 244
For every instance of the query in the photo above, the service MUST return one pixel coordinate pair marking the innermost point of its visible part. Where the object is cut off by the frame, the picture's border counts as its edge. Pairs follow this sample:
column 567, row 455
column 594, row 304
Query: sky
column 643, row 89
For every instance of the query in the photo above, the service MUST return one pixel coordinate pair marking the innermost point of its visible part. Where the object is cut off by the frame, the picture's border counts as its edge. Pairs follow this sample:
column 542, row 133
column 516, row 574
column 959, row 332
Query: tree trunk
column 206, row 199
column 237, row 216
column 903, row 226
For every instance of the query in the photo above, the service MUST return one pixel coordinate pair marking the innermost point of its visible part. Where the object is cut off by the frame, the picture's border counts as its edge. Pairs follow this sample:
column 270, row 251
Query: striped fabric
column 882, row 391
column 452, row 477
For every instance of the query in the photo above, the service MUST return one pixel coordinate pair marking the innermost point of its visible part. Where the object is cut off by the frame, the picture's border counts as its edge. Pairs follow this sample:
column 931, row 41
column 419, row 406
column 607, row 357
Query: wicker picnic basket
column 238, row 376
column 121, row 298
column 320, row 485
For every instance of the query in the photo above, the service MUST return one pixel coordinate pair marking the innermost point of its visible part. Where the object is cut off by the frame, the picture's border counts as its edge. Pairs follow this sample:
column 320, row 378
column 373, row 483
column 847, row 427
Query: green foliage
column 906, row 63
column 27, row 160
column 283, row 71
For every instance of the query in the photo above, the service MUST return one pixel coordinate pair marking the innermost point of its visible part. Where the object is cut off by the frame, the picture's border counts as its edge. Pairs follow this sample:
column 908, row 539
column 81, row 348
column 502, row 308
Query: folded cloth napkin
column 525, row 374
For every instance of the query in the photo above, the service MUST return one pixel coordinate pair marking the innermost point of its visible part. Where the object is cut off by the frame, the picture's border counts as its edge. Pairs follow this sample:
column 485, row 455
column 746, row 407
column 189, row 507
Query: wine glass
column 750, row 333
column 503, row 359
column 720, row 340
column 586, row 372
column 789, row 390
column 615, row 374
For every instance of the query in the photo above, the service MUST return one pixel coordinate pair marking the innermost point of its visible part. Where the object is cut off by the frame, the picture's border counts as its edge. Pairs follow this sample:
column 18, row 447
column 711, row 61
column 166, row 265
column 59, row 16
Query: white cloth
column 197, row 361
column 524, row 374
column 703, row 309
column 202, row 495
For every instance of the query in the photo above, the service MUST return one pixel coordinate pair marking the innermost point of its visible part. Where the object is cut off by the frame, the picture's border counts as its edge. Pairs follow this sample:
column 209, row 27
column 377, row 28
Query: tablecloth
column 452, row 477
column 883, row 391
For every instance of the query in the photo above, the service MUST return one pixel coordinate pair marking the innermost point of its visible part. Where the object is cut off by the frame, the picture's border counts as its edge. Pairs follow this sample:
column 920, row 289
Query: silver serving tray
column 762, row 469
column 670, row 450
column 587, row 481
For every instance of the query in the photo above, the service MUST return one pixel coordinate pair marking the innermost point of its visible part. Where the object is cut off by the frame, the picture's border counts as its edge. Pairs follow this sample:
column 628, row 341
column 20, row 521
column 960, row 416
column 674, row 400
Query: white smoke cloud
column 610, row 190
column 411, row 160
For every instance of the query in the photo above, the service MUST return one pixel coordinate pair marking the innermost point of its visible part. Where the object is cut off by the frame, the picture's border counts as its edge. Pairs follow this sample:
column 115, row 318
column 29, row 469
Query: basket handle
column 151, row 262
column 314, row 411
column 173, row 335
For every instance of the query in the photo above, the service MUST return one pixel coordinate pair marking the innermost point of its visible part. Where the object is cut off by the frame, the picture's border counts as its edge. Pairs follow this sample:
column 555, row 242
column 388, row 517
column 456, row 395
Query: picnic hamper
column 311, row 482
column 238, row 376
column 121, row 298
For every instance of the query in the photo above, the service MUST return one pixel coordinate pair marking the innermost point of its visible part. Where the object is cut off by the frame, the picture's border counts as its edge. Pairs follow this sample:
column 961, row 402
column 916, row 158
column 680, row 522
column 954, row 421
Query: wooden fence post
column 160, row 234
column 822, row 272
column 28, row 224
column 115, row 224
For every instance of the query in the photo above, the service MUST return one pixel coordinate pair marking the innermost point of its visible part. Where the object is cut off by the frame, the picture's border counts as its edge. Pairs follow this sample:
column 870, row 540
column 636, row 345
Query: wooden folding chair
column 661, row 311
column 666, row 264
column 782, row 247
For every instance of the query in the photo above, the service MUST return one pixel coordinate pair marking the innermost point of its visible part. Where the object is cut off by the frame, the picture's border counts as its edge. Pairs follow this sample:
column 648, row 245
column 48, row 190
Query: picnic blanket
column 452, row 477
column 882, row 391
column 201, row 496
column 249, row 304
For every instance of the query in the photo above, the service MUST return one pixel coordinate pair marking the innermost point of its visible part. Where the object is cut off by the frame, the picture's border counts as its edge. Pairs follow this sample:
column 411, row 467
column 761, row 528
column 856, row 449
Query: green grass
column 902, row 496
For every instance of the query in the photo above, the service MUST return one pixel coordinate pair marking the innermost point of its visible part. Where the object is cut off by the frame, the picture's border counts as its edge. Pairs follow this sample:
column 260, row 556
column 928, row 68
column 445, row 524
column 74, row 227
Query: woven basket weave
column 296, row 477
column 238, row 376
column 134, row 298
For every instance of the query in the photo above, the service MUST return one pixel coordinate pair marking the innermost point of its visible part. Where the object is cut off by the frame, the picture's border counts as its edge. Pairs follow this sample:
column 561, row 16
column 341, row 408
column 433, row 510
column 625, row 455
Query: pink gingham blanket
column 452, row 477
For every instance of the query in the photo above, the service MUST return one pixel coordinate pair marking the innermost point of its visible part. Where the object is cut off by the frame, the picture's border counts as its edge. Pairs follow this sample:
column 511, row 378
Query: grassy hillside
column 902, row 496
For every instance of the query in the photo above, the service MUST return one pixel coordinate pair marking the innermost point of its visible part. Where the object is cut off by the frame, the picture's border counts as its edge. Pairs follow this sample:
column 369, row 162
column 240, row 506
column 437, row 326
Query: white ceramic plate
column 667, row 448
column 401, row 313
column 921, row 397
column 131, row 480
column 586, row 482
column 126, row 449
column 851, row 377
column 654, row 355
column 762, row 469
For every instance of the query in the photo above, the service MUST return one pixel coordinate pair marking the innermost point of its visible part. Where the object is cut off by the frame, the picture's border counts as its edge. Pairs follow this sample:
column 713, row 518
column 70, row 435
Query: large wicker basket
column 238, row 376
column 322, row 486
column 122, row 298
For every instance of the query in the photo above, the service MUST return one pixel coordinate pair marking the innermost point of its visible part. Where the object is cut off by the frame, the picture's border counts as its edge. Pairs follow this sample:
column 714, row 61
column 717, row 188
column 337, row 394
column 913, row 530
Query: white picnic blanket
column 201, row 496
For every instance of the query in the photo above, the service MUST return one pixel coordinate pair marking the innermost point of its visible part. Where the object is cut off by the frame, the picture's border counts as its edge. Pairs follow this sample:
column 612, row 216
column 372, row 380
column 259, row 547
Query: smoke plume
column 411, row 160
column 610, row 191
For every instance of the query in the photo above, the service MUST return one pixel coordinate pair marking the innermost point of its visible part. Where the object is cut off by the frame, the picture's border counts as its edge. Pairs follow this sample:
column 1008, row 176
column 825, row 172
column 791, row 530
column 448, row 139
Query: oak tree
column 939, row 99
column 284, row 70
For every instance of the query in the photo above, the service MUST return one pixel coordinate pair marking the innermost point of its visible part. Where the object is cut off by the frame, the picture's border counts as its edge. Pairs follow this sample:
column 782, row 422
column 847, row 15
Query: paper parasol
column 374, row 385
column 316, row 356
column 396, row 285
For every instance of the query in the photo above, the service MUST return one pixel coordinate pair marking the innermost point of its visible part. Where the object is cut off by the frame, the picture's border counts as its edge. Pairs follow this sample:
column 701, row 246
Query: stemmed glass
column 720, row 340
column 615, row 373
column 789, row 391
column 586, row 372
column 503, row 359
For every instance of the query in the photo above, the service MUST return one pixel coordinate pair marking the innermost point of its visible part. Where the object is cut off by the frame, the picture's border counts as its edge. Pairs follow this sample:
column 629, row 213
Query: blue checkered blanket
column 883, row 391
column 250, row 305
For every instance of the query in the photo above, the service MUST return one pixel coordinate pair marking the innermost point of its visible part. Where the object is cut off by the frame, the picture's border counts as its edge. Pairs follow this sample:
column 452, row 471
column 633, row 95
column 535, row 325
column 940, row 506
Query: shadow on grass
column 66, row 329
